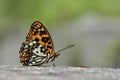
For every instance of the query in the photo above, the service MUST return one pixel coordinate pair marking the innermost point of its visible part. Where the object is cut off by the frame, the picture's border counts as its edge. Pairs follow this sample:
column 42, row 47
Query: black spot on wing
column 36, row 39
column 43, row 32
column 35, row 32
column 49, row 46
column 45, row 39
column 49, row 42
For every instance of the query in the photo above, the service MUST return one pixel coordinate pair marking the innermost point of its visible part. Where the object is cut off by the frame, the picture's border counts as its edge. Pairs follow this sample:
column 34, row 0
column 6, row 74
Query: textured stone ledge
column 57, row 73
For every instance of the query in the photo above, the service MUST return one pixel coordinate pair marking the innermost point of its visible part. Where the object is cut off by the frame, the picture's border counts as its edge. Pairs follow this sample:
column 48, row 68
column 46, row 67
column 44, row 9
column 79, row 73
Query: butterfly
column 38, row 48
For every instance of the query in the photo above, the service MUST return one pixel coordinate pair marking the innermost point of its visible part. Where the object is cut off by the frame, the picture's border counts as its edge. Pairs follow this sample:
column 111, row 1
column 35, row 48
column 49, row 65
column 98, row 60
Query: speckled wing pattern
column 38, row 47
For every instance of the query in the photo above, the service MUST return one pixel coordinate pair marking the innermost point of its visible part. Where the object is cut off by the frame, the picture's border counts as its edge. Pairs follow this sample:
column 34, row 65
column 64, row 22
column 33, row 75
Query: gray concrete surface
column 57, row 73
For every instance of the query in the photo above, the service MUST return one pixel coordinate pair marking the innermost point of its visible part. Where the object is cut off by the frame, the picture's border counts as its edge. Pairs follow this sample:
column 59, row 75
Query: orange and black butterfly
column 38, row 48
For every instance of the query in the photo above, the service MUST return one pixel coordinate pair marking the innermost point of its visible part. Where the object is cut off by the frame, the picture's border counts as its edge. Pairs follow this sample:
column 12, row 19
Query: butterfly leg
column 52, row 59
column 54, row 63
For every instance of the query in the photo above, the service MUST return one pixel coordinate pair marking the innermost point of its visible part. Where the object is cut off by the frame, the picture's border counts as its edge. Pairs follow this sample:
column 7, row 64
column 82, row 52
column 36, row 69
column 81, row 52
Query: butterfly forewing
column 39, row 33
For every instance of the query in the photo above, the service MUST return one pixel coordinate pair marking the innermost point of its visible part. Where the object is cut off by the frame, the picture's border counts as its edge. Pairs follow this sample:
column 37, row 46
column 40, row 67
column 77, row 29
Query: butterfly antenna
column 68, row 46
column 57, row 53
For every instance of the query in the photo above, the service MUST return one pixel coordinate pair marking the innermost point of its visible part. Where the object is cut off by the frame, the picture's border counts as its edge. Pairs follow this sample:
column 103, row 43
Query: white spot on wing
column 30, row 64
column 33, row 56
column 39, row 60
column 38, row 52
column 42, row 29
column 39, row 46
column 33, row 62
column 30, row 43
column 34, row 42
column 26, row 46
column 44, row 59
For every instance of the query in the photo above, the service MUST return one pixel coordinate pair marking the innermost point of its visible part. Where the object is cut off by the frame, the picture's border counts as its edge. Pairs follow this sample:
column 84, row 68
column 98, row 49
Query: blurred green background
column 92, row 25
